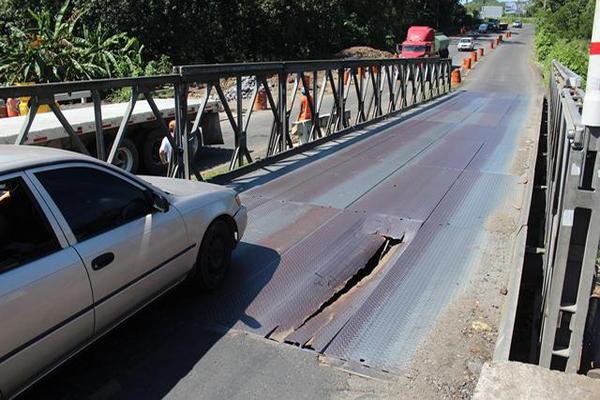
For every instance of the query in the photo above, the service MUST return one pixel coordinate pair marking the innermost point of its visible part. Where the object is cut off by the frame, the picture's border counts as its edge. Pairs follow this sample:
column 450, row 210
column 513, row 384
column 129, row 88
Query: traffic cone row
column 469, row 62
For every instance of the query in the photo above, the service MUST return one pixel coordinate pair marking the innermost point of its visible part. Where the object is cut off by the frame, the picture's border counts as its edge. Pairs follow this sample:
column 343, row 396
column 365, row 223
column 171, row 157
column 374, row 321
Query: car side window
column 93, row 201
column 25, row 233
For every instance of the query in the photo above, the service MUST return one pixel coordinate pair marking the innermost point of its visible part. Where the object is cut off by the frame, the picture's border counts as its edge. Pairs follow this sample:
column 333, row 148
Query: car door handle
column 102, row 261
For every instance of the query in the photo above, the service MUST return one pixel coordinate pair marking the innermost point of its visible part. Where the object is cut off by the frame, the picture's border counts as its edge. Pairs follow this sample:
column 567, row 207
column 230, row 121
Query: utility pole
column 591, row 102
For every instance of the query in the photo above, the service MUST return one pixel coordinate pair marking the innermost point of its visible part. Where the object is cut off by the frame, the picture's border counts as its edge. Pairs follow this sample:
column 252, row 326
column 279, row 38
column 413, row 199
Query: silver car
column 466, row 44
column 83, row 245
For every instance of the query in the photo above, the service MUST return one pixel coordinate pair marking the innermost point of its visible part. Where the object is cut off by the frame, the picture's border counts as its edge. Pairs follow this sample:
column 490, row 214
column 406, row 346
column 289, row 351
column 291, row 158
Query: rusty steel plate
column 310, row 270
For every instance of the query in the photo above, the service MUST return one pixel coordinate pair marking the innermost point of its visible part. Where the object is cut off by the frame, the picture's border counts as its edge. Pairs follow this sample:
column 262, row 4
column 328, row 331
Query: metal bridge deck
column 431, row 180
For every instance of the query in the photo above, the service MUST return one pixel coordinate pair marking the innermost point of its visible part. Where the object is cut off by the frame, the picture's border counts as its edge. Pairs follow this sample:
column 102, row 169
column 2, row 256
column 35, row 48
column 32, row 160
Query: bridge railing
column 372, row 88
column 572, row 223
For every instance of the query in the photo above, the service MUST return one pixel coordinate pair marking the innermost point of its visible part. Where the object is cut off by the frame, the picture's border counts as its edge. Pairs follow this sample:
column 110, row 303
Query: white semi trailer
column 139, row 149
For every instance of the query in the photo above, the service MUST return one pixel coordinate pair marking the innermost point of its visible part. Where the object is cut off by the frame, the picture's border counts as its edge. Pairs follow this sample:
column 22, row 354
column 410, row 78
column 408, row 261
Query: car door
column 46, row 306
column 131, row 251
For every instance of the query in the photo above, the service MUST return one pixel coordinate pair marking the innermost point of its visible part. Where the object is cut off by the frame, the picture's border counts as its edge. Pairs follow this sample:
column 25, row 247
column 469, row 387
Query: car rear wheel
column 214, row 257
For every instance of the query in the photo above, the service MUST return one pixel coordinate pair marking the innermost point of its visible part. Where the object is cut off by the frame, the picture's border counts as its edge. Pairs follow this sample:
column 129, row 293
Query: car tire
column 214, row 256
column 150, row 157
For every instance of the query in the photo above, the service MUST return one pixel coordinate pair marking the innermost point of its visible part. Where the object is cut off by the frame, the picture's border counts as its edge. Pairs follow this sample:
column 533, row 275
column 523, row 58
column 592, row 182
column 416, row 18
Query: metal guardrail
column 383, row 87
column 572, row 223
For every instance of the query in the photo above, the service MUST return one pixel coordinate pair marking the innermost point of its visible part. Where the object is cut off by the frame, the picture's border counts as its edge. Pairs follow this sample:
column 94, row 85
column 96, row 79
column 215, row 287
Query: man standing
column 303, row 124
column 165, row 152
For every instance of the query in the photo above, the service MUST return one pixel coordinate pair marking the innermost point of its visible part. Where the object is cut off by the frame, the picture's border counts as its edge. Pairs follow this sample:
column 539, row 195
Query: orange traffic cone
column 261, row 100
column 467, row 63
column 455, row 77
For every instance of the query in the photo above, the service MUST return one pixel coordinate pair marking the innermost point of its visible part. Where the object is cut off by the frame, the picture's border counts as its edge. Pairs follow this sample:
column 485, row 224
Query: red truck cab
column 419, row 42
column 422, row 41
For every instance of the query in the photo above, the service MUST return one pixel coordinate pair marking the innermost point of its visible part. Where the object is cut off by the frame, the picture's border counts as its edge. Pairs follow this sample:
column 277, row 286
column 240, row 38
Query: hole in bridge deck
column 377, row 260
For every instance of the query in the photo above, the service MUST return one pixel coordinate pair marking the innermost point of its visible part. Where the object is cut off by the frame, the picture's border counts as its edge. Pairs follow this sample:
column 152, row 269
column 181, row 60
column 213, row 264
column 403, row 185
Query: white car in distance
column 466, row 44
column 84, row 245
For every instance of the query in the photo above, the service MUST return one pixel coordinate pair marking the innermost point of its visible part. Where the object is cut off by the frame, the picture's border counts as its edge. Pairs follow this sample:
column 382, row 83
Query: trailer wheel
column 127, row 157
column 150, row 146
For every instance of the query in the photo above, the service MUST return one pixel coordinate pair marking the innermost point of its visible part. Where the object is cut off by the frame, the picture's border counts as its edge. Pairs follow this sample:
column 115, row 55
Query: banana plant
column 50, row 48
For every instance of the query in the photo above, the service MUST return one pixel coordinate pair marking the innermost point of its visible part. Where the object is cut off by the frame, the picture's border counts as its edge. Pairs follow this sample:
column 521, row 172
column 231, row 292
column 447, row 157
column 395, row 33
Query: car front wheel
column 214, row 257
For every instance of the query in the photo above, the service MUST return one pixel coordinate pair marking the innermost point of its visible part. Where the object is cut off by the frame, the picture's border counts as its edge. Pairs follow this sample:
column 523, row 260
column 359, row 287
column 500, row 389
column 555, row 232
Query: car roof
column 14, row 157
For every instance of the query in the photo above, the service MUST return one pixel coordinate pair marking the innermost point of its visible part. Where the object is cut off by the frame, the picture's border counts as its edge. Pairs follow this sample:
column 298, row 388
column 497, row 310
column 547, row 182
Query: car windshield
column 465, row 40
column 414, row 48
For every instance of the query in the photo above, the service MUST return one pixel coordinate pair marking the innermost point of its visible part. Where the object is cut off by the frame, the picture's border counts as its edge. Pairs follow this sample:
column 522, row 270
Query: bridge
column 382, row 258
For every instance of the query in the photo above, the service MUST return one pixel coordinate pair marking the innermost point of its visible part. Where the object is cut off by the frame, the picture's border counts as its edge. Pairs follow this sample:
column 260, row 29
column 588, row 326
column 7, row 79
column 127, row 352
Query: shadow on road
column 147, row 355
column 210, row 157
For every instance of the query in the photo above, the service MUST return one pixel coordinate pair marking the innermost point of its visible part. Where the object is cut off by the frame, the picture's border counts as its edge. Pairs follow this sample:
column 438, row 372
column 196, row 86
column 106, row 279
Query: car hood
column 183, row 187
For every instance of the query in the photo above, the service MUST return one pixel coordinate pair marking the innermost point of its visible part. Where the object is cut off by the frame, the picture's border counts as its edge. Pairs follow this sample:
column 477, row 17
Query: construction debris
column 248, row 85
column 363, row 52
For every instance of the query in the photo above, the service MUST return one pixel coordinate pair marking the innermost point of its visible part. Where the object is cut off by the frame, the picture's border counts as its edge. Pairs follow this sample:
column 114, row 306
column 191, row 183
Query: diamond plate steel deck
column 317, row 218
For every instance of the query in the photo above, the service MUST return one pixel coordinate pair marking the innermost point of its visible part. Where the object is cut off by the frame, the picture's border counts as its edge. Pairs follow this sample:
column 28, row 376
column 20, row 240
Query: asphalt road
column 481, row 41
column 434, row 178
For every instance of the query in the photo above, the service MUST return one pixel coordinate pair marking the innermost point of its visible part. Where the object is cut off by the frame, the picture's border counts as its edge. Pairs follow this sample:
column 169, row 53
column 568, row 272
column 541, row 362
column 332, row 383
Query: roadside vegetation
column 45, row 46
column 50, row 40
column 563, row 32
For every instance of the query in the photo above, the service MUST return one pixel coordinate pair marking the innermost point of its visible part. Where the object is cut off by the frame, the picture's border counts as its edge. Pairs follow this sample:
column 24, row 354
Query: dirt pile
column 363, row 52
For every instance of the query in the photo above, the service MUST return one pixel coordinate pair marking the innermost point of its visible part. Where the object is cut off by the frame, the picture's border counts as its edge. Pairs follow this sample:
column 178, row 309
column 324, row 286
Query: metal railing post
column 100, row 149
column 283, row 113
column 572, row 226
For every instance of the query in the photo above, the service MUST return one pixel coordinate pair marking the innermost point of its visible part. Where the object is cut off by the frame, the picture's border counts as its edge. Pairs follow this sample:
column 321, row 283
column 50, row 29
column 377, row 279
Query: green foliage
column 192, row 31
column 544, row 42
column 564, row 29
column 48, row 47
column 571, row 53
column 208, row 31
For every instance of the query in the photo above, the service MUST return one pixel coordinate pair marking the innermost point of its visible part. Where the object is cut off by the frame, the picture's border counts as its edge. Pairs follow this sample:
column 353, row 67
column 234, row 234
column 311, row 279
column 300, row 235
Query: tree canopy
column 194, row 31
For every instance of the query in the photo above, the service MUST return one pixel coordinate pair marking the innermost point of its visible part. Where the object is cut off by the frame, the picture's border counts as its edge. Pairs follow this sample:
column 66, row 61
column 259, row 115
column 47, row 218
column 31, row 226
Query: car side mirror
column 160, row 203
column 157, row 201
